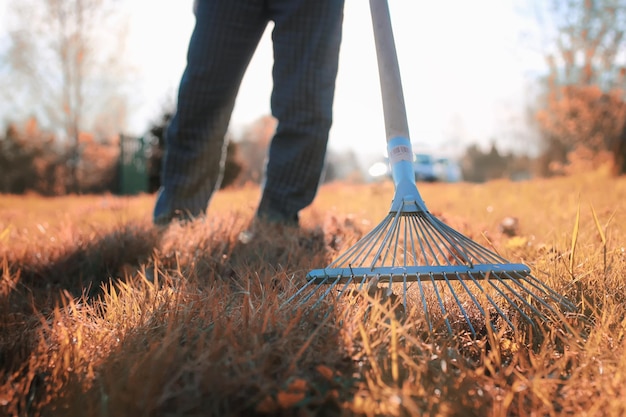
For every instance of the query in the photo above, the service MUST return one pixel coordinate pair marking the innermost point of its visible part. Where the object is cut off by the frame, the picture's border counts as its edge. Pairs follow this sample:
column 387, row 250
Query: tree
column 99, row 161
column 30, row 161
column 583, row 105
column 63, row 63
column 16, row 161
column 583, row 116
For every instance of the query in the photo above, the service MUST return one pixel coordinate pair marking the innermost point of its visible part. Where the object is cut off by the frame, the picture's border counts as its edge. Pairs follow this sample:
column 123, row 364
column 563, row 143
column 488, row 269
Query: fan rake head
column 450, row 275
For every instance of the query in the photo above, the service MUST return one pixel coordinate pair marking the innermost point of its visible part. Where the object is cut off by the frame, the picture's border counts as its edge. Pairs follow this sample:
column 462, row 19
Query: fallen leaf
column 516, row 242
column 326, row 372
column 287, row 399
column 297, row 384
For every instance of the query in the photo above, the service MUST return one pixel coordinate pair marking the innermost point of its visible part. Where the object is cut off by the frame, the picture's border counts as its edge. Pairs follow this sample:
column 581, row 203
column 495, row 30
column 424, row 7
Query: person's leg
column 306, row 36
column 224, row 39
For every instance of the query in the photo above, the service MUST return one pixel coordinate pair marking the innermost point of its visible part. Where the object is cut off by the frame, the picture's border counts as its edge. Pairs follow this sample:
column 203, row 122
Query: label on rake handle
column 400, row 153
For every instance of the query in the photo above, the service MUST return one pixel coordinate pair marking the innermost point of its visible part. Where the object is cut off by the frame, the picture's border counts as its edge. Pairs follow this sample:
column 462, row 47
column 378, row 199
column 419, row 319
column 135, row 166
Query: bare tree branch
column 61, row 66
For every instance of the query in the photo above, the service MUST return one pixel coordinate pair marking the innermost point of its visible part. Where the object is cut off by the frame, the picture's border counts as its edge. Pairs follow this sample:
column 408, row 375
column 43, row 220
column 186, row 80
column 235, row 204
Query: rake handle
column 394, row 109
column 399, row 147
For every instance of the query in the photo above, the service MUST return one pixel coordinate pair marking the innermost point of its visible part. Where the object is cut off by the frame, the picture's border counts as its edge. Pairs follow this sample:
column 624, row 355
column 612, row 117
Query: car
column 427, row 167
column 424, row 167
column 448, row 170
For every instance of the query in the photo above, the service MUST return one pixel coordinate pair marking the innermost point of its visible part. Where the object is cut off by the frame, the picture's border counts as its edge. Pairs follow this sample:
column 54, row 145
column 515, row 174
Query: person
column 306, row 38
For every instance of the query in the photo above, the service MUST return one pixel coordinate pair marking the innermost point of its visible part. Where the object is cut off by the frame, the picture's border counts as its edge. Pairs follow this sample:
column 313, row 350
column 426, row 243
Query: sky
column 464, row 71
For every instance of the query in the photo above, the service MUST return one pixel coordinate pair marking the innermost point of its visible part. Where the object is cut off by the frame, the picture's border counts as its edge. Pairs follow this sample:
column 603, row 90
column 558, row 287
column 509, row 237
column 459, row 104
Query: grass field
column 102, row 315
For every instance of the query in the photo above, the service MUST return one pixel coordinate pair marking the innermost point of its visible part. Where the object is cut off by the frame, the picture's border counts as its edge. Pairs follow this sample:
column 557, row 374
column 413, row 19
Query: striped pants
column 306, row 39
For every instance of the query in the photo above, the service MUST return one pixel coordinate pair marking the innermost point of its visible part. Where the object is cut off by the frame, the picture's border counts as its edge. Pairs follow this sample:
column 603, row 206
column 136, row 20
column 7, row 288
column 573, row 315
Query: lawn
column 103, row 315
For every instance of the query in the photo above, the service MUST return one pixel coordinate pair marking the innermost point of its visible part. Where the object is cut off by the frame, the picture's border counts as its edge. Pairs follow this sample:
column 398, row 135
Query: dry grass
column 101, row 315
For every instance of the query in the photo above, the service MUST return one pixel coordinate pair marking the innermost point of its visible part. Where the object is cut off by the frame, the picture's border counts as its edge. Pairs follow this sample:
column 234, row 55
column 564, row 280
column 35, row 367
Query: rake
column 452, row 277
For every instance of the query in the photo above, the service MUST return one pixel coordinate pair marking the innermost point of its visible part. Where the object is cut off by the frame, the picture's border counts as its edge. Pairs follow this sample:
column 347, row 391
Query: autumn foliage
column 34, row 160
column 582, row 124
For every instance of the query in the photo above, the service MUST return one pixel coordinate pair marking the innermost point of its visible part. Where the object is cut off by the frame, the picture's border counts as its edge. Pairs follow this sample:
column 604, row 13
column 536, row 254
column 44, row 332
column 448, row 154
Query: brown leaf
column 297, row 384
column 287, row 399
column 326, row 372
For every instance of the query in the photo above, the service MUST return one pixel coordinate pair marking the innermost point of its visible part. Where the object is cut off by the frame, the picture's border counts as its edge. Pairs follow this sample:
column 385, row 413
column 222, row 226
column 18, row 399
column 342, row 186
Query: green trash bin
column 133, row 166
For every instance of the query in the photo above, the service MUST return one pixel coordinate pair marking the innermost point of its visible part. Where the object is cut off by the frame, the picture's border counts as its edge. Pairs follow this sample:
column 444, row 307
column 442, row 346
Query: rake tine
column 530, row 293
column 481, row 252
column 441, row 306
column 404, row 292
column 391, row 229
column 378, row 237
column 412, row 240
column 437, row 236
column 460, row 304
column 363, row 281
column 391, row 235
column 547, row 292
column 330, row 288
column 513, row 303
column 345, row 287
column 396, row 234
column 492, row 302
column 356, row 251
column 474, row 300
column 425, row 242
column 559, row 298
column 457, row 252
column 424, row 305
column 309, row 295
column 301, row 291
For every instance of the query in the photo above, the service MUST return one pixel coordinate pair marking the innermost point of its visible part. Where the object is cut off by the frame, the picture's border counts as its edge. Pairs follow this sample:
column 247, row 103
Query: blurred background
column 493, row 88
